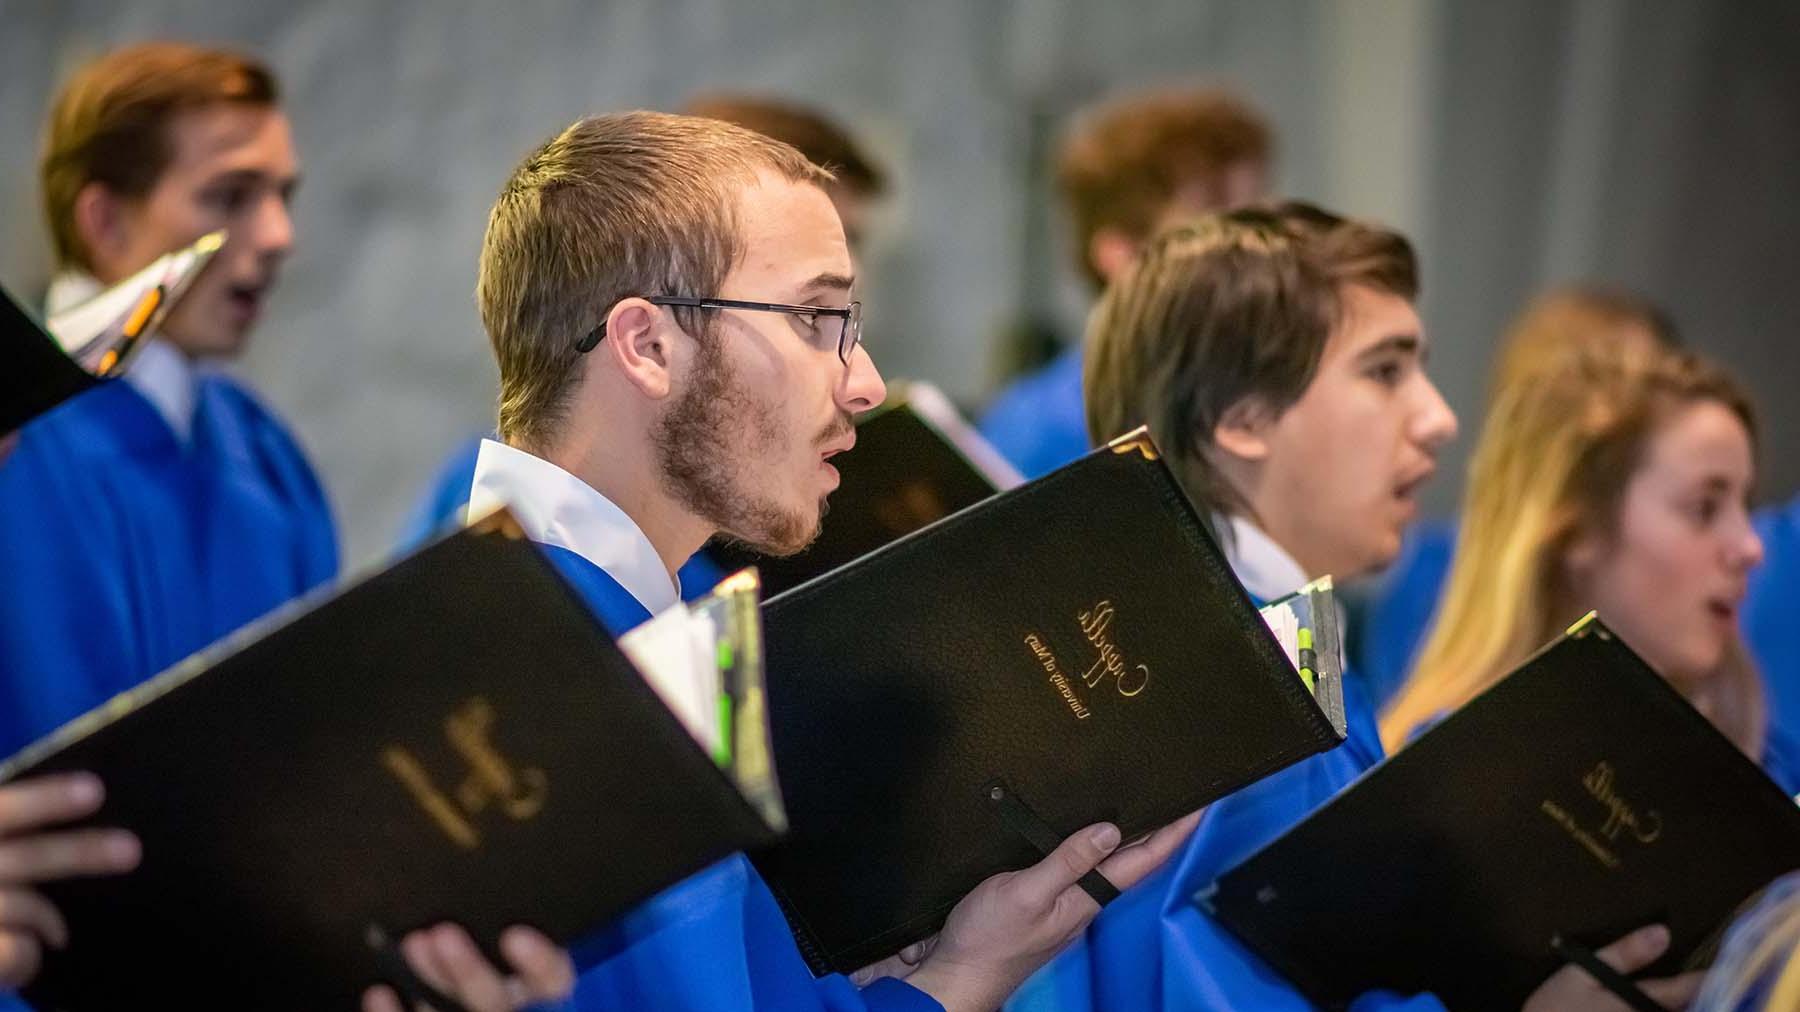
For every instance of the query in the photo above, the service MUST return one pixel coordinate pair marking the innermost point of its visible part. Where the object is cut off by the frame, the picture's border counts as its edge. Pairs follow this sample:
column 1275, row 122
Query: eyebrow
column 1715, row 483
column 1405, row 344
column 253, row 177
column 829, row 281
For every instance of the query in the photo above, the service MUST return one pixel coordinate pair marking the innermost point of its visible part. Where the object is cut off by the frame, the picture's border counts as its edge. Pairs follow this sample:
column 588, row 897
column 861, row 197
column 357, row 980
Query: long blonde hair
column 1760, row 959
column 1561, row 441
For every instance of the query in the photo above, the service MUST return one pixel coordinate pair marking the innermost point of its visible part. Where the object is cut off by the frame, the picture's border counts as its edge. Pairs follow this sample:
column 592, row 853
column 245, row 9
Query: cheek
column 1348, row 453
column 1655, row 592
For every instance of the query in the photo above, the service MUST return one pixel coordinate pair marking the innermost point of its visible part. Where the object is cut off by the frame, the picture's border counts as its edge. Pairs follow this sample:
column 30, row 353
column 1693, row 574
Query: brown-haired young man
column 1279, row 362
column 670, row 300
column 148, row 517
column 1125, row 170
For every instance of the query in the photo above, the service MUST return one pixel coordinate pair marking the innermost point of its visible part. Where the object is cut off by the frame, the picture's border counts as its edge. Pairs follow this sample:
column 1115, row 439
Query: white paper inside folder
column 677, row 652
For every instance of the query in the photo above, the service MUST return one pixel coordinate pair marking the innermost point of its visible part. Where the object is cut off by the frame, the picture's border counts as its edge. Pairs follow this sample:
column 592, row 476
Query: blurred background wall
column 1653, row 144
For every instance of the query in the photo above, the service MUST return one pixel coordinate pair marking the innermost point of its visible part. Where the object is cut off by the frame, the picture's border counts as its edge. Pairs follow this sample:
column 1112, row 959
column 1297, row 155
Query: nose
column 1745, row 547
column 1433, row 424
column 862, row 387
column 271, row 231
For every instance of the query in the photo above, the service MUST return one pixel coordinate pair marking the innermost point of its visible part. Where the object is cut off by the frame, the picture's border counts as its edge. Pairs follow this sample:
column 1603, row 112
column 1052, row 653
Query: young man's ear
column 637, row 343
column 1243, row 431
column 99, row 219
column 1112, row 252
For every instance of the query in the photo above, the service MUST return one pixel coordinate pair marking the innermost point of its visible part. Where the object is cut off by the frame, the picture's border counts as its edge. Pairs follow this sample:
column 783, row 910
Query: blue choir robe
column 125, row 550
column 1038, row 423
column 1388, row 623
column 447, row 497
column 1768, row 611
column 717, row 940
column 1152, row 949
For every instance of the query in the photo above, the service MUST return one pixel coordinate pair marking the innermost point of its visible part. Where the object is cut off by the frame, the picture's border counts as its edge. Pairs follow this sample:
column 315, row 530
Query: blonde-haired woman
column 1612, row 475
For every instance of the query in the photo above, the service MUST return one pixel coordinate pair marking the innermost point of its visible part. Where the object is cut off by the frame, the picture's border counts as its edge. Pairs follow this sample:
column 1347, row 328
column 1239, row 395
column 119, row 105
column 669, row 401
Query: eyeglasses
column 842, row 326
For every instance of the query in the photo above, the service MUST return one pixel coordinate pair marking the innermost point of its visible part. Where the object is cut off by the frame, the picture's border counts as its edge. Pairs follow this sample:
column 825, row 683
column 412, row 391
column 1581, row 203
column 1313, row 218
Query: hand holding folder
column 1601, row 980
column 387, row 757
column 455, row 976
column 34, row 850
column 982, row 956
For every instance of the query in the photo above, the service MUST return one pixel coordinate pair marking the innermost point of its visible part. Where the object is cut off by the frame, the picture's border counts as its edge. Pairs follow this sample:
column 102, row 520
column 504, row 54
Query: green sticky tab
column 725, row 655
column 1303, row 639
column 1306, row 675
column 722, row 756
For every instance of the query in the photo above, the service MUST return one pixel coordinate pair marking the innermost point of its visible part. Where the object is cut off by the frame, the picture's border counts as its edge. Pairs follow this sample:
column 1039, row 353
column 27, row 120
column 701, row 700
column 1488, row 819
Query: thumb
column 1081, row 853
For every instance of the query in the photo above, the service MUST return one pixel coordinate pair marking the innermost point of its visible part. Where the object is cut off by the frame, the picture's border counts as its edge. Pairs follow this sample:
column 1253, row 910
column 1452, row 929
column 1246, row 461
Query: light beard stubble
column 708, row 444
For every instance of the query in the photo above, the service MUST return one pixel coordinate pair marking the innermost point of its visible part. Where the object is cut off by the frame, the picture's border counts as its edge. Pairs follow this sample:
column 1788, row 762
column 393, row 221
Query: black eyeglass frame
column 848, row 338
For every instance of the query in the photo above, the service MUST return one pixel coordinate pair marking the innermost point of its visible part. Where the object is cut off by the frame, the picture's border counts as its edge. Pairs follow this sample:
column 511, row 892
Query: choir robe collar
column 556, row 508
column 159, row 373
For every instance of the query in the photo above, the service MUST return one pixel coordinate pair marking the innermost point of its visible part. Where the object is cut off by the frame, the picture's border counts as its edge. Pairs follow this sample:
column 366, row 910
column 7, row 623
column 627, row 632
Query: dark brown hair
column 1231, row 306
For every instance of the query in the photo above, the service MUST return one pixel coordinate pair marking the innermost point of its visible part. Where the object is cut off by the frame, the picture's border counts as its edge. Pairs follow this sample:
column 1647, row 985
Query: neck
column 1252, row 492
column 625, row 473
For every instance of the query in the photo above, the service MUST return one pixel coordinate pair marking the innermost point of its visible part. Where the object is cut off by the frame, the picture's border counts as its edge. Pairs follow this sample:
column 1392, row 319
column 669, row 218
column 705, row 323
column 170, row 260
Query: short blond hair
column 635, row 203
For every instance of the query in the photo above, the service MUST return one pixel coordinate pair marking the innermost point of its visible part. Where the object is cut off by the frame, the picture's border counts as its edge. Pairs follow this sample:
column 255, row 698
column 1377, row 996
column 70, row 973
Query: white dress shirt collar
column 1265, row 569
column 557, row 508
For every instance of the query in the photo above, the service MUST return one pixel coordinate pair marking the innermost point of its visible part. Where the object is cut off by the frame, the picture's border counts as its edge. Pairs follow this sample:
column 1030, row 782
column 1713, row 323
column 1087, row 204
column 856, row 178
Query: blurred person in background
column 149, row 517
column 1125, row 171
column 859, row 183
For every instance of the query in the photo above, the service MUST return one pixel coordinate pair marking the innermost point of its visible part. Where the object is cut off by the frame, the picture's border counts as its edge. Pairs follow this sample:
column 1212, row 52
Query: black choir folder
column 1580, row 797
column 1072, row 651
column 36, row 375
column 916, row 461
column 455, row 738
column 43, row 366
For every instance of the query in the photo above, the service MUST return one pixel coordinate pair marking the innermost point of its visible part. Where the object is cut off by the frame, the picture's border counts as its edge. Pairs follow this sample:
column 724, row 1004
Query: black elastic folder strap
column 1620, row 985
column 1019, row 818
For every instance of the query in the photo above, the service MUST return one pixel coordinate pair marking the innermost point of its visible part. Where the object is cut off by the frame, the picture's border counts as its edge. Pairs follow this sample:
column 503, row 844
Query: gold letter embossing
column 412, row 776
column 489, row 775
column 1645, row 828
column 1110, row 663
column 520, row 795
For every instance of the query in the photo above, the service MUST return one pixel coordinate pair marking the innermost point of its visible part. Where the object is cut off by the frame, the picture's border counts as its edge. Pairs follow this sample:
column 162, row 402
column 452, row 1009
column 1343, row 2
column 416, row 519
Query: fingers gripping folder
column 1018, row 817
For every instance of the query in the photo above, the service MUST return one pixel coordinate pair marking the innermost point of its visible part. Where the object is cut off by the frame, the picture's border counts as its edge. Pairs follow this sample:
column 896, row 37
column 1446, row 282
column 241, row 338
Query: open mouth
column 1408, row 490
column 246, row 299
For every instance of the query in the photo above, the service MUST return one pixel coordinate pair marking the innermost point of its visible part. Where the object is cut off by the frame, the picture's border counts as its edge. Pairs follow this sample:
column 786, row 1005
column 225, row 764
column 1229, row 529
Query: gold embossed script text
column 518, row 793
